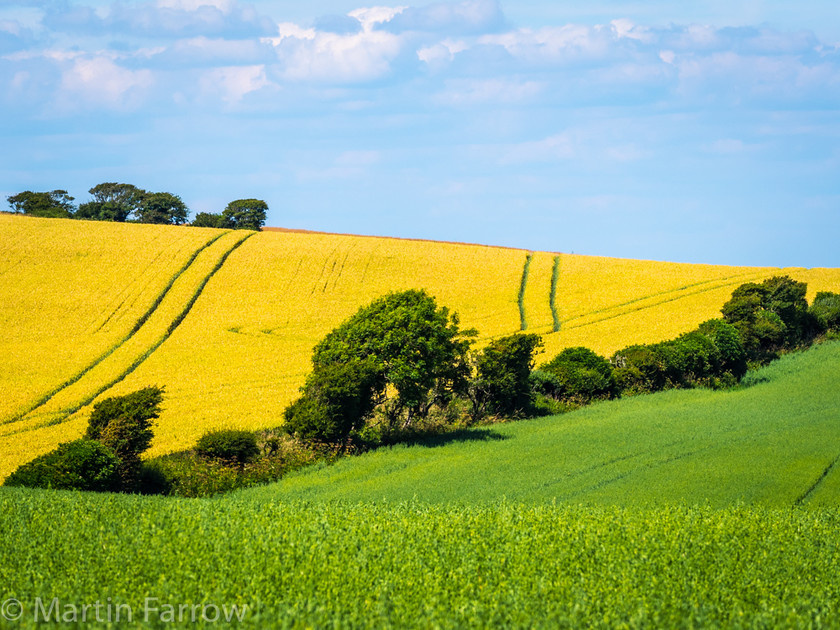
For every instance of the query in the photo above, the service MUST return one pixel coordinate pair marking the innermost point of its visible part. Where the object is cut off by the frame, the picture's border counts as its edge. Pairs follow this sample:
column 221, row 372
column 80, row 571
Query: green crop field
column 378, row 565
column 768, row 443
column 682, row 509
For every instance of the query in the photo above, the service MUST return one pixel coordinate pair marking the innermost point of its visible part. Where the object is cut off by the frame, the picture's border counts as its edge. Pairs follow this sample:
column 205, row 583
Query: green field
column 768, row 443
column 378, row 565
column 682, row 509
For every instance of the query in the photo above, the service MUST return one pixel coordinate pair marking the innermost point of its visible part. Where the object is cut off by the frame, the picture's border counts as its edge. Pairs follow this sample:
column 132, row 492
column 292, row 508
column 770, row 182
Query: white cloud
column 233, row 83
column 99, row 83
column 308, row 55
column 373, row 16
column 555, row 44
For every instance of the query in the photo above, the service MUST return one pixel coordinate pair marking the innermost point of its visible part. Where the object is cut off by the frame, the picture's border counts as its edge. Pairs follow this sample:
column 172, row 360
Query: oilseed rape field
column 226, row 320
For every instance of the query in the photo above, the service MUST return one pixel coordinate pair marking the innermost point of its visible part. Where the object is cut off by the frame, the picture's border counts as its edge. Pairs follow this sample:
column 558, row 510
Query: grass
column 768, row 443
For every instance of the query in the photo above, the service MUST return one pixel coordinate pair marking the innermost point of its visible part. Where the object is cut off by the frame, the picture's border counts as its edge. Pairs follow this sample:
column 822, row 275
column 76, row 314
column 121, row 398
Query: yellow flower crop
column 227, row 325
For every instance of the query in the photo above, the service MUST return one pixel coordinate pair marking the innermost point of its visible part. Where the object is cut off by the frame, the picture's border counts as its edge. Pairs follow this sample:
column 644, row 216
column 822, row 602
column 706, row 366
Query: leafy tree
column 582, row 375
column 245, row 214
column 337, row 398
column 124, row 424
column 78, row 465
column 57, row 204
column 162, row 207
column 502, row 376
column 415, row 347
column 208, row 219
column 112, row 202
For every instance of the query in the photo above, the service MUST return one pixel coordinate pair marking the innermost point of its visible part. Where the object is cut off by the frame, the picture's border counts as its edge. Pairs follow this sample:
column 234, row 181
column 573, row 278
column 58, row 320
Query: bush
column 336, row 400
column 124, row 424
column 826, row 310
column 582, row 374
column 231, row 445
column 79, row 465
column 727, row 340
column 503, row 370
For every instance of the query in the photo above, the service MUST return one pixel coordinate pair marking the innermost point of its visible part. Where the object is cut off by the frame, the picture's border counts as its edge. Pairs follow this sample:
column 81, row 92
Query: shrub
column 502, row 382
column 79, row 465
column 727, row 340
column 124, row 424
column 231, row 445
column 582, row 374
column 826, row 310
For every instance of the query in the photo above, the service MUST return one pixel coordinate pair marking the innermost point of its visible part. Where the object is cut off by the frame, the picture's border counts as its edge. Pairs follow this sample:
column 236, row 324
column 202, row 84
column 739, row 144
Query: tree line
column 112, row 201
column 402, row 366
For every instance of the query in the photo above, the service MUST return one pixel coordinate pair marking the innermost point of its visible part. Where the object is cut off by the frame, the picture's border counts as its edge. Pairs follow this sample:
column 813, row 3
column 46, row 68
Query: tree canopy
column 401, row 351
column 57, row 204
column 162, row 207
column 112, row 201
column 245, row 214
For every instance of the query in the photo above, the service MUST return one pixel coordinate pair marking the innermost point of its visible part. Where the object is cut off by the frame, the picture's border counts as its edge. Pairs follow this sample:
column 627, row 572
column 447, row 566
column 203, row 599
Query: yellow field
column 227, row 326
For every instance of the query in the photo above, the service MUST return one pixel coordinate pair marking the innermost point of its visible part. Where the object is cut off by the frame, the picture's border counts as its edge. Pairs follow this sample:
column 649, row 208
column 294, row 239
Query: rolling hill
column 225, row 321
column 774, row 442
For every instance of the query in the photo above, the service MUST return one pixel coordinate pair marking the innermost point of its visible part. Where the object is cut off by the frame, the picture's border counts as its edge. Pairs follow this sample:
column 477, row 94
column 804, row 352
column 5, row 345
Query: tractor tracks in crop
column 670, row 295
column 810, row 491
column 30, row 417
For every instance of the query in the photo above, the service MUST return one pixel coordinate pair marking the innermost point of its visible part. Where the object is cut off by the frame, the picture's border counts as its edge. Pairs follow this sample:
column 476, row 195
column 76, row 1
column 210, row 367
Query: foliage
column 826, row 310
column 112, row 201
column 245, row 214
column 78, row 465
column 57, row 204
column 232, row 445
column 124, row 424
column 336, row 400
column 770, row 316
column 162, row 207
column 581, row 376
column 502, row 376
column 406, row 342
column 188, row 474
column 766, row 444
column 727, row 340
column 211, row 220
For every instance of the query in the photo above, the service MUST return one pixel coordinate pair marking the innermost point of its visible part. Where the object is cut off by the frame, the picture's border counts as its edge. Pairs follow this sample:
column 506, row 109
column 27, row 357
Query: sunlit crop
column 88, row 309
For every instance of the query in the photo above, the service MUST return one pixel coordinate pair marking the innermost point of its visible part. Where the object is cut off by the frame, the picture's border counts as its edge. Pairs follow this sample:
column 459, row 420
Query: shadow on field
column 461, row 435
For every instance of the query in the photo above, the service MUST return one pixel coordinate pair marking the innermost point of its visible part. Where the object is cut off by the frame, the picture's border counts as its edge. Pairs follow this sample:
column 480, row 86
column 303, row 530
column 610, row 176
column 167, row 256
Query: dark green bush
column 79, row 465
column 826, row 310
column 231, row 445
column 582, row 374
column 727, row 340
column 502, row 381
column 124, row 424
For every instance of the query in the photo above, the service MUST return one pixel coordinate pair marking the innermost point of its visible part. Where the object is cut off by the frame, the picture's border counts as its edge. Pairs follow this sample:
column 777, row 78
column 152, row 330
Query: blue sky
column 687, row 131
